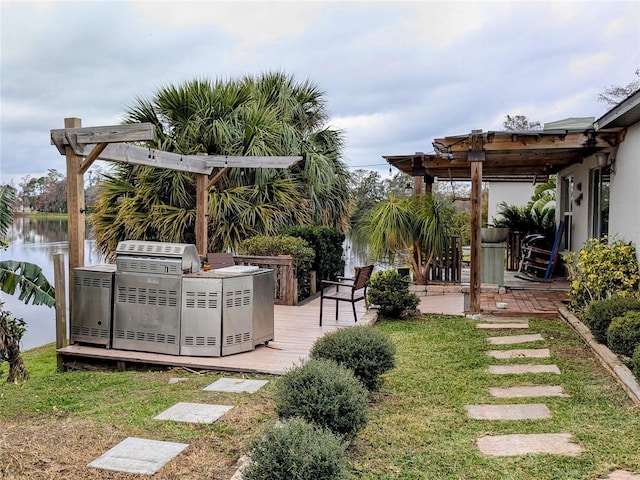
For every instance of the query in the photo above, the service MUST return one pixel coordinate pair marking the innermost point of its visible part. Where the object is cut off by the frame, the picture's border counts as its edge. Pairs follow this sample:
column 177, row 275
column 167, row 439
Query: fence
column 448, row 267
column 513, row 251
column 285, row 283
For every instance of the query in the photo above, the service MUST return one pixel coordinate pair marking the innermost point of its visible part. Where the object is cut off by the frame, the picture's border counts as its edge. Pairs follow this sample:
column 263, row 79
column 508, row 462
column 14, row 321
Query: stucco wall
column 624, row 211
column 624, row 205
column 513, row 193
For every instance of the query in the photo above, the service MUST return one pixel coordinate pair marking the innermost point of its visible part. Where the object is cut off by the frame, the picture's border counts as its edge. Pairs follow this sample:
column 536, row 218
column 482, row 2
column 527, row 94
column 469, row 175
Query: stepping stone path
column 138, row 455
column 532, row 443
column 520, row 444
column 524, row 353
column 531, row 411
column 142, row 456
column 502, row 326
column 513, row 339
column 516, row 369
column 236, row 385
column 622, row 475
column 522, row 392
column 193, row 412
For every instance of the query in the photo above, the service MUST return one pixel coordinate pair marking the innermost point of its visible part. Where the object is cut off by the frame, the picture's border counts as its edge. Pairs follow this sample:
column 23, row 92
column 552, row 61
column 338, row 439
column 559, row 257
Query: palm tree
column 271, row 114
column 414, row 229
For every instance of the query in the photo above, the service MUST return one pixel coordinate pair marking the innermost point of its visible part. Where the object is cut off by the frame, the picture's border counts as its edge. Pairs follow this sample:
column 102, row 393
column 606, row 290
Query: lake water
column 36, row 241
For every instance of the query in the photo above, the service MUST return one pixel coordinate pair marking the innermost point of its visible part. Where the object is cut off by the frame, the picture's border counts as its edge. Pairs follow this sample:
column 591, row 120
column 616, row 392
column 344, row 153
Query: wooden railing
column 448, row 267
column 513, row 251
column 284, row 275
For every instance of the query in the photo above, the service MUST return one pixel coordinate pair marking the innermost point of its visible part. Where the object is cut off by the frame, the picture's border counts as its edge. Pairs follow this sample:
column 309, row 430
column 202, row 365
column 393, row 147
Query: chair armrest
column 346, row 278
column 330, row 282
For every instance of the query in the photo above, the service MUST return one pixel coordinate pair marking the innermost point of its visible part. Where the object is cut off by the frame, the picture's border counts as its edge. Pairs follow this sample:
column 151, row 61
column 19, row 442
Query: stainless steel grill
column 148, row 292
column 162, row 302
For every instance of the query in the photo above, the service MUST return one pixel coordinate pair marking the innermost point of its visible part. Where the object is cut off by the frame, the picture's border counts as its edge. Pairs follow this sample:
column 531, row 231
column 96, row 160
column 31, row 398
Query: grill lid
column 185, row 253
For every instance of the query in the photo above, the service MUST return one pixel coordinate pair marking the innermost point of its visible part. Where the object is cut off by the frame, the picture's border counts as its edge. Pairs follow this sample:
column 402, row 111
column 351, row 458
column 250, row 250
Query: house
column 597, row 164
column 600, row 195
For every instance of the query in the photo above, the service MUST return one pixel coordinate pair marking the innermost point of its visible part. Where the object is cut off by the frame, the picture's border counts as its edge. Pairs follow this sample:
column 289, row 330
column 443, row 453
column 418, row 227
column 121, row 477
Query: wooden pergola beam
column 107, row 143
column 135, row 132
column 135, row 155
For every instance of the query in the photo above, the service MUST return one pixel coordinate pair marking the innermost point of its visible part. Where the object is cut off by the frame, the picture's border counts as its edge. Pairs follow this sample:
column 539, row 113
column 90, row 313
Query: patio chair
column 220, row 260
column 538, row 262
column 354, row 290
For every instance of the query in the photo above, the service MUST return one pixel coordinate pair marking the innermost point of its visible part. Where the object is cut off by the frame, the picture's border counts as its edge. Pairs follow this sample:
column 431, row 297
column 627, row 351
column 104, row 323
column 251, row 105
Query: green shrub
column 327, row 243
column 623, row 335
column 324, row 393
column 390, row 292
column 274, row 245
column 636, row 362
column 604, row 268
column 599, row 314
column 367, row 352
column 295, row 450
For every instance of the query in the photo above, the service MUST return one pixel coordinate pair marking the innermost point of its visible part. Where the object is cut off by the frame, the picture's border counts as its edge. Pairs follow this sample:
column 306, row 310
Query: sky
column 395, row 74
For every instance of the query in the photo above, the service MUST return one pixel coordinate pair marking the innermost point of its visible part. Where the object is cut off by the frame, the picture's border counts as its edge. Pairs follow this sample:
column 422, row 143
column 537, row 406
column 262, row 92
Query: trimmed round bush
column 324, row 393
column 367, row 352
column 636, row 362
column 295, row 450
column 623, row 335
column 390, row 292
column 599, row 314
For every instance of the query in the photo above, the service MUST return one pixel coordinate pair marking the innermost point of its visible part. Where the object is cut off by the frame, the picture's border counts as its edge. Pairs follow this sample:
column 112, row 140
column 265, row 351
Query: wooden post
column 476, row 157
column 75, row 207
column 202, row 200
column 313, row 280
column 417, row 187
column 61, row 306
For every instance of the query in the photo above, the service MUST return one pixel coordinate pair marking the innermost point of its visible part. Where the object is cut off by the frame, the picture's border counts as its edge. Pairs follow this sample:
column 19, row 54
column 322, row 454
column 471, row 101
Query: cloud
column 396, row 74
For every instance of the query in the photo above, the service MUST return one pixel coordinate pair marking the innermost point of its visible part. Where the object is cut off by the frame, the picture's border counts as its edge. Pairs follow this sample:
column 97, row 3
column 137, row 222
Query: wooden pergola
column 504, row 155
column 82, row 146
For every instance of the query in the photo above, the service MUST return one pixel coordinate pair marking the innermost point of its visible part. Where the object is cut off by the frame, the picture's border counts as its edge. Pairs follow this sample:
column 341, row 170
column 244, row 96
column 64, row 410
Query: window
column 600, row 179
column 566, row 206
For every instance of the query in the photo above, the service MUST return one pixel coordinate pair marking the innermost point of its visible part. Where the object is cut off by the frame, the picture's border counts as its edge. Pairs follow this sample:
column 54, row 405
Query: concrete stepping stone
column 528, row 391
column 177, row 380
column 524, row 411
column 502, row 326
column 522, row 353
column 236, row 385
column 514, row 339
column 523, row 444
column 622, row 475
column 137, row 455
column 193, row 412
column 493, row 319
column 518, row 369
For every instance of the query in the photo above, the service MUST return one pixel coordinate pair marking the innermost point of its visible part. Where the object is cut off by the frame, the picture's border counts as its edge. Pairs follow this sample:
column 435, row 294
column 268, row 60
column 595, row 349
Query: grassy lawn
column 420, row 429
column 53, row 425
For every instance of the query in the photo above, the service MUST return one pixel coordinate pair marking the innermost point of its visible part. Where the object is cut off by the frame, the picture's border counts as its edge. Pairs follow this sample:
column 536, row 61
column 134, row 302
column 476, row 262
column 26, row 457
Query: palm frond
column 29, row 280
column 7, row 204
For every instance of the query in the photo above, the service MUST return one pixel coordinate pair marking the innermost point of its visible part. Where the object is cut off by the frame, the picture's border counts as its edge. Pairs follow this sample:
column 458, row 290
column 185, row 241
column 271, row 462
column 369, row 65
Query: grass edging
column 609, row 360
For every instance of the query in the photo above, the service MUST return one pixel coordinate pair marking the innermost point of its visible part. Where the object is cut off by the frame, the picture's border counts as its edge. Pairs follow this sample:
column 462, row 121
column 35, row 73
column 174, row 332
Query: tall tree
column 414, row 229
column 614, row 94
column 266, row 115
column 520, row 123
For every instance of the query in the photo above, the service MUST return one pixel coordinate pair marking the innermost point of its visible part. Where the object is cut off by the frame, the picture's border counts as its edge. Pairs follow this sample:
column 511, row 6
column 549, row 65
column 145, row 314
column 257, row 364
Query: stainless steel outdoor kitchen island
column 158, row 299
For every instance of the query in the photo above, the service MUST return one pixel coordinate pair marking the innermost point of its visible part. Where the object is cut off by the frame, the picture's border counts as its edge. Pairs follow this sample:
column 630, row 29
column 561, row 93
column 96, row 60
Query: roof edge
column 630, row 103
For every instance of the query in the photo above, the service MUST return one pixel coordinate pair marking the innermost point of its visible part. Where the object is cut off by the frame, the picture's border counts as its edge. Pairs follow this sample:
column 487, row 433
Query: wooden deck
column 295, row 330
